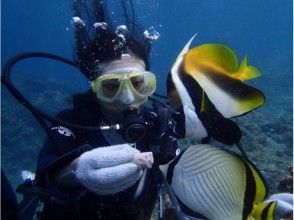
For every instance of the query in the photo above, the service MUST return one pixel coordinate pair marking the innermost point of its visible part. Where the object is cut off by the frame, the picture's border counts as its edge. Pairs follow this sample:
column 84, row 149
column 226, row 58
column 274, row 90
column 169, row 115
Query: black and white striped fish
column 218, row 185
column 206, row 83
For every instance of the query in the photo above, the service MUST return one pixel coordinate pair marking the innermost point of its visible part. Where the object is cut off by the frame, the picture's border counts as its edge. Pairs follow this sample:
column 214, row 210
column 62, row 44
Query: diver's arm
column 66, row 176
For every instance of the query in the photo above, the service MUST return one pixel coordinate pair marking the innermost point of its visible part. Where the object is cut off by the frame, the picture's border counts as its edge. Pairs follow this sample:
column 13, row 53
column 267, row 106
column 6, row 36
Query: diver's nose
column 127, row 97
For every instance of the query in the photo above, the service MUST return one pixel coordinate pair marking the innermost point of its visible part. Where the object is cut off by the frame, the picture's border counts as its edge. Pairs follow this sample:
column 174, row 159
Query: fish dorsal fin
column 179, row 59
column 174, row 93
column 217, row 56
column 186, row 47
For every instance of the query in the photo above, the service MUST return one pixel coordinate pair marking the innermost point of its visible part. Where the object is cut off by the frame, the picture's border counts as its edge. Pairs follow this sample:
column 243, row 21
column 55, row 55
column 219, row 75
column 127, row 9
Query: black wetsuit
column 63, row 147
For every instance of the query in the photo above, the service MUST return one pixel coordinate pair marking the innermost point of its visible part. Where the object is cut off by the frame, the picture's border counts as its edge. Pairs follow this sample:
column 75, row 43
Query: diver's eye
column 110, row 87
column 138, row 83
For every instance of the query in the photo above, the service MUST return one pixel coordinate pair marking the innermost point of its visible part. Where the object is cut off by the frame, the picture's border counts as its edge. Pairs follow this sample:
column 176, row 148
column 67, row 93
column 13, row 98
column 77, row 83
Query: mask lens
column 144, row 83
column 138, row 83
column 109, row 87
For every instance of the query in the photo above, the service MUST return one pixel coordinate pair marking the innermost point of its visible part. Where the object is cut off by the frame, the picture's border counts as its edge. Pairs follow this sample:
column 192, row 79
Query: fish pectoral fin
column 246, row 72
column 203, row 102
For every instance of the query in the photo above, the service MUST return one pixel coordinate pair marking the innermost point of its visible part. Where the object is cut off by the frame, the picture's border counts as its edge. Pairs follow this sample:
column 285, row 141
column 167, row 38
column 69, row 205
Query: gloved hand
column 109, row 170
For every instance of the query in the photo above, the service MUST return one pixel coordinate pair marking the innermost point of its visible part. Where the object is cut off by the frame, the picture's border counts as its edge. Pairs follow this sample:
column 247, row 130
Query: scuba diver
column 112, row 173
column 108, row 166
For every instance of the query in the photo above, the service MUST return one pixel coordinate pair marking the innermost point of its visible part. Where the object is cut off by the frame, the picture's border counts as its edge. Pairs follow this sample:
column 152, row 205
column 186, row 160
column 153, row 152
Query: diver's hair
column 98, row 45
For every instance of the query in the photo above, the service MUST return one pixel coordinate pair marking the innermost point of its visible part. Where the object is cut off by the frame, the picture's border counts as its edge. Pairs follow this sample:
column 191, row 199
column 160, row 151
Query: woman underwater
column 114, row 173
column 90, row 175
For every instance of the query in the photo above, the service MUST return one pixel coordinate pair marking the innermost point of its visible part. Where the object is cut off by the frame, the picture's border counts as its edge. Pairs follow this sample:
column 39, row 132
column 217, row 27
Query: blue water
column 263, row 29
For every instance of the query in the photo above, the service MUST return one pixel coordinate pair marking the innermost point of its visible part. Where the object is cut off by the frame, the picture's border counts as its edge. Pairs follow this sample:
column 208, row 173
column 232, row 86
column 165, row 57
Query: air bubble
column 78, row 21
column 101, row 25
column 151, row 34
column 121, row 29
column 125, row 56
column 122, row 37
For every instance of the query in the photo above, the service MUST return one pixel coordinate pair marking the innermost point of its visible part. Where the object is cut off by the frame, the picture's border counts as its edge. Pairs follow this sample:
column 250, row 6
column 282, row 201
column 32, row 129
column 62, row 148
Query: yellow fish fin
column 262, row 211
column 216, row 56
column 246, row 72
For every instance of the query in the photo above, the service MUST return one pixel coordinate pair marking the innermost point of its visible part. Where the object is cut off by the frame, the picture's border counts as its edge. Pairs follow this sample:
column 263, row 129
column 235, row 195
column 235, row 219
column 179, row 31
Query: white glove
column 109, row 170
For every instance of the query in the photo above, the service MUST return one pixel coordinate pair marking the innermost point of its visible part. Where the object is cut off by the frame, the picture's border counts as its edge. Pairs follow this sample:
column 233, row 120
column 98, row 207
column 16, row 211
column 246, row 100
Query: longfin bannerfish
column 218, row 184
column 212, row 70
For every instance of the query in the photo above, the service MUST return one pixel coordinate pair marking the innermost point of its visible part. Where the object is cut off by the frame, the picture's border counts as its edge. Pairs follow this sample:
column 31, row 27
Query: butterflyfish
column 206, row 83
column 218, row 185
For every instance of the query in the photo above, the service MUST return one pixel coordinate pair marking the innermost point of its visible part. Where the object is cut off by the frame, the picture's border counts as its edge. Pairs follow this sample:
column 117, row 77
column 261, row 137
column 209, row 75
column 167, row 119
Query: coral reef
column 267, row 139
column 22, row 136
column 286, row 184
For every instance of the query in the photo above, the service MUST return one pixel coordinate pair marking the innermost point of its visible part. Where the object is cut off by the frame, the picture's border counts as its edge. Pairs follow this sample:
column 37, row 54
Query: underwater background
column 262, row 29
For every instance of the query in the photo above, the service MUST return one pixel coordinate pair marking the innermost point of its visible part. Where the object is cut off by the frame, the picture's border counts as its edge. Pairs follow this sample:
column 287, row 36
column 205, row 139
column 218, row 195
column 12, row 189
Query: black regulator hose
column 39, row 114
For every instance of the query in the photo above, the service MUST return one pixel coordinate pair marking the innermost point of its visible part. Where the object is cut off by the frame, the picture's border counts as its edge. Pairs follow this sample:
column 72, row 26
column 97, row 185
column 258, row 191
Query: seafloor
column 267, row 131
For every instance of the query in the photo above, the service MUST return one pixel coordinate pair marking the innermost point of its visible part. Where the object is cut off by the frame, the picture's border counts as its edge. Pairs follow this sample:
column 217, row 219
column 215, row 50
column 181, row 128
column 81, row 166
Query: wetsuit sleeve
column 59, row 142
column 60, row 148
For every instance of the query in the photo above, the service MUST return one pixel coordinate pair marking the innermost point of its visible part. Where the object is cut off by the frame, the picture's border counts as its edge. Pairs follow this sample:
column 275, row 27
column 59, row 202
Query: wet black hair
column 98, row 45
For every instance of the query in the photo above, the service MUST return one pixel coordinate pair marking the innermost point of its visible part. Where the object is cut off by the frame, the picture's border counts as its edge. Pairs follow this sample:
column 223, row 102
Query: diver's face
column 124, row 84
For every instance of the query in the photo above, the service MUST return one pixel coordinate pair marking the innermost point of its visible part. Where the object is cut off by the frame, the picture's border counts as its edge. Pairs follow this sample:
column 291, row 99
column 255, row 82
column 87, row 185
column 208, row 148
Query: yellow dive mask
column 113, row 87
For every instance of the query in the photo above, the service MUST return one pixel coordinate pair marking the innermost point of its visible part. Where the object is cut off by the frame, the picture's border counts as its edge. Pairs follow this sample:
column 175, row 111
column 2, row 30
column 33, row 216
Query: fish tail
column 246, row 71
